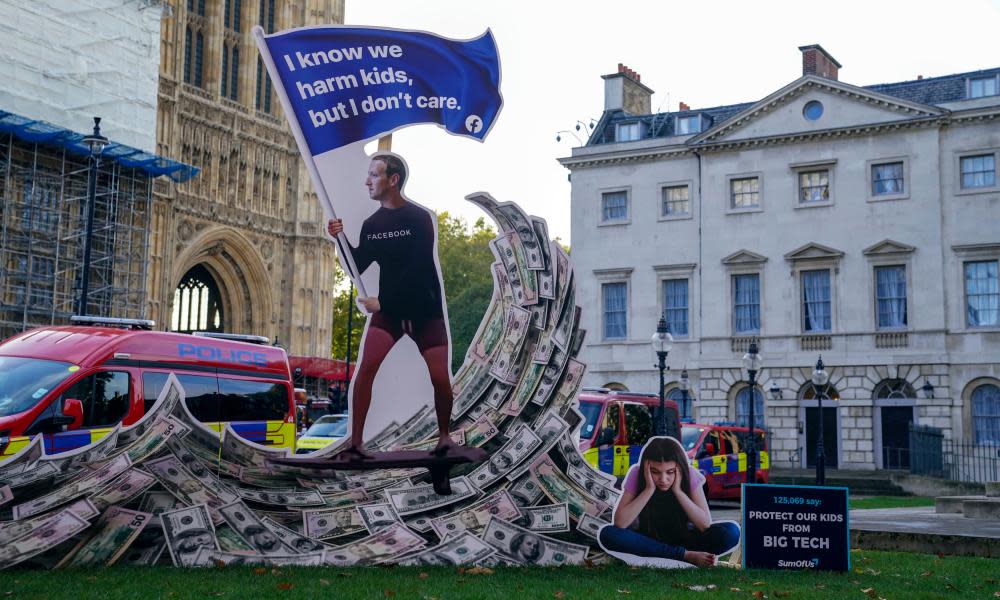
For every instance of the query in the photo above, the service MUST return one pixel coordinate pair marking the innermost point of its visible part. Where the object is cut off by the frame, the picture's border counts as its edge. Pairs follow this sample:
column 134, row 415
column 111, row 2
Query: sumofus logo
column 799, row 564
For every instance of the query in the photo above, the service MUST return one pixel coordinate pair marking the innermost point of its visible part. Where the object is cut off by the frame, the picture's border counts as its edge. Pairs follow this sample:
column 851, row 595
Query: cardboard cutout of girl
column 662, row 518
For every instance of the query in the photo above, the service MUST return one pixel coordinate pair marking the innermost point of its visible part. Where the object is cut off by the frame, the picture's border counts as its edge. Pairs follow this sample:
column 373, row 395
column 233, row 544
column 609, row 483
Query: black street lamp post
column 96, row 143
column 752, row 363
column 661, row 341
column 819, row 379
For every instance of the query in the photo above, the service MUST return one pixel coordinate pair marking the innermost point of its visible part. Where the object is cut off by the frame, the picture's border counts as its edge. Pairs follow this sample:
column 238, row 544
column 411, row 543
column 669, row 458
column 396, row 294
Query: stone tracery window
column 197, row 303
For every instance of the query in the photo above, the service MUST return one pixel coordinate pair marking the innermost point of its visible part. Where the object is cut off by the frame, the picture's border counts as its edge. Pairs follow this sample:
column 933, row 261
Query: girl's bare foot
column 699, row 559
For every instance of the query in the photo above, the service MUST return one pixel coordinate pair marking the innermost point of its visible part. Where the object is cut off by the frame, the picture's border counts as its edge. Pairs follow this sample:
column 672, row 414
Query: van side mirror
column 72, row 415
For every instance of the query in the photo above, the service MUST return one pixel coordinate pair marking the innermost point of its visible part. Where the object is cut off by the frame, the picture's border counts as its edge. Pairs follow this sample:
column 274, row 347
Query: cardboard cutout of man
column 400, row 237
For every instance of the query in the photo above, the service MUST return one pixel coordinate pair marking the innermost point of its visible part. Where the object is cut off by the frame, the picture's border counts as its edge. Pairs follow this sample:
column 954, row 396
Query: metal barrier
column 933, row 455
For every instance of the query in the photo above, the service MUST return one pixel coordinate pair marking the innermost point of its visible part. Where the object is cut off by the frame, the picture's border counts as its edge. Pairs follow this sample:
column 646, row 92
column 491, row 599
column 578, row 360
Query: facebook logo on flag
column 346, row 84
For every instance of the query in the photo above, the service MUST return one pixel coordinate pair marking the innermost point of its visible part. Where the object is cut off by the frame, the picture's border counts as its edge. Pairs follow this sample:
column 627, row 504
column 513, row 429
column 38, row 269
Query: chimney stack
column 817, row 61
column 624, row 91
column 683, row 107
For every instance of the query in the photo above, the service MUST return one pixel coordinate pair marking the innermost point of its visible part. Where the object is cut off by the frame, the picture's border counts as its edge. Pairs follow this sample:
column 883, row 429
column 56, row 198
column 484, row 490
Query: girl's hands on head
column 648, row 476
column 675, row 487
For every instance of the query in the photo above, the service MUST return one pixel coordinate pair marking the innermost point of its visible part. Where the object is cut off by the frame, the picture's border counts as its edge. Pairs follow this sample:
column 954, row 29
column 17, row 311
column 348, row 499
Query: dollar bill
column 208, row 557
column 570, row 451
column 394, row 540
column 112, row 534
column 474, row 388
column 332, row 523
column 532, row 245
column 497, row 393
column 515, row 332
column 71, row 461
column 264, row 478
column 54, row 531
column 22, row 459
column 539, row 315
column 157, row 503
column 529, row 548
column 525, row 390
column 564, row 326
column 201, row 471
column 564, row 277
column 230, row 541
column 187, row 531
column 384, row 437
column 600, row 485
column 348, row 498
column 147, row 548
column 559, row 488
column 590, row 525
column 543, row 350
column 331, row 487
column 461, row 549
column 36, row 473
column 519, row 446
column 550, row 376
column 297, row 542
column 123, row 488
column 492, row 208
column 244, row 452
column 473, row 518
column 282, row 497
column 252, row 531
column 166, row 403
column 179, row 481
column 488, row 339
column 523, row 282
column 75, row 487
column 422, row 498
column 12, row 530
column 420, row 431
column 154, row 438
column 525, row 491
column 568, row 389
column 377, row 515
column 211, row 457
column 477, row 434
column 546, row 277
column 552, row 518
column 548, row 427
column 6, row 495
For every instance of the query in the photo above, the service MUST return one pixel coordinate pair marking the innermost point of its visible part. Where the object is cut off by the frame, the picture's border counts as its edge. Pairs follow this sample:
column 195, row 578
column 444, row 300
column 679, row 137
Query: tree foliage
column 468, row 283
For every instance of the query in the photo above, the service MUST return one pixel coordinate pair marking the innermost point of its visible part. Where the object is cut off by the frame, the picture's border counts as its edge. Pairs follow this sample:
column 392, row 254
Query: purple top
column 631, row 483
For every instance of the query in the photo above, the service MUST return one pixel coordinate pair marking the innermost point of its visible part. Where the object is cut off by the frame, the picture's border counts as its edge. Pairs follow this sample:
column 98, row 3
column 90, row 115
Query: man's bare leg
column 378, row 343
column 437, row 365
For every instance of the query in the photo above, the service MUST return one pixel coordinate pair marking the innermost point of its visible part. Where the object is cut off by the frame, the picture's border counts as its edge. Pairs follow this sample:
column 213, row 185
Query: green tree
column 468, row 282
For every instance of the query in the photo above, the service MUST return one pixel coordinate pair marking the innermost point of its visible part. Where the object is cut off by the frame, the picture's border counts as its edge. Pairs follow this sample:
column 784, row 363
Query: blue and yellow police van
column 719, row 452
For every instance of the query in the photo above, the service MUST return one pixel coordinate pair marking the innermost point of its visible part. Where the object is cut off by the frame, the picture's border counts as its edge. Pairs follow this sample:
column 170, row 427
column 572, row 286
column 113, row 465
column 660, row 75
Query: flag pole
column 343, row 246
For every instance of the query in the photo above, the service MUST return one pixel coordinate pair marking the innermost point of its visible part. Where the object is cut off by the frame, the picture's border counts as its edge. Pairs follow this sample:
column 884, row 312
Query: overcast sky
column 552, row 55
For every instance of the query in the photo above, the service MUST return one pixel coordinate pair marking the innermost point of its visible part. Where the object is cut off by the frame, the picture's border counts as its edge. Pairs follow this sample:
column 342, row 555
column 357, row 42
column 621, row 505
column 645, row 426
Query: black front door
column 896, row 422
column 829, row 435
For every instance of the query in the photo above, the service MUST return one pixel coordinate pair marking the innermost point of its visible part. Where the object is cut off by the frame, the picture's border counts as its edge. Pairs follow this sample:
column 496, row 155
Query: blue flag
column 347, row 84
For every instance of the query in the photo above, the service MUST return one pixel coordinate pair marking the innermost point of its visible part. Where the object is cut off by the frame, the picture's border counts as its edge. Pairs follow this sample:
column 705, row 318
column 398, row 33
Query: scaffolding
column 43, row 202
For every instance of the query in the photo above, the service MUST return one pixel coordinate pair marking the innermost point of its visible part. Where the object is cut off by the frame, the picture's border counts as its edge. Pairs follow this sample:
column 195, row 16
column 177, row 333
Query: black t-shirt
column 401, row 241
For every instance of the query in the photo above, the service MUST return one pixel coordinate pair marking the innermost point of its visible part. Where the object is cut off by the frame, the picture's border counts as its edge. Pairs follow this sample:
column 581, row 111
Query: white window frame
column 965, row 294
column 733, row 273
column 961, row 191
column 679, row 271
column 661, row 216
column 802, row 300
column 831, row 263
column 606, row 276
column 876, row 265
column 698, row 119
column 732, row 210
column 633, row 126
column 869, row 172
column 628, row 206
column 807, row 167
column 970, row 80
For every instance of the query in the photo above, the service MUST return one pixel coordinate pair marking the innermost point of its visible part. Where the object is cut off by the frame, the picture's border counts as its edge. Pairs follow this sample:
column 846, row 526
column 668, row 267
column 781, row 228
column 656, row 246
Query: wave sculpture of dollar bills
column 171, row 490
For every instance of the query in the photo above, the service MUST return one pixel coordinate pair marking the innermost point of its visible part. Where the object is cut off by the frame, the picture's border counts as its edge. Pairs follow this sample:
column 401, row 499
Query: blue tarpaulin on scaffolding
column 40, row 132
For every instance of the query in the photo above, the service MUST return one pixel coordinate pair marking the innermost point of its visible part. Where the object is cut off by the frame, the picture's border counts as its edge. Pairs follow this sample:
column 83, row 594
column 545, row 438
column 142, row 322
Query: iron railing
column 931, row 454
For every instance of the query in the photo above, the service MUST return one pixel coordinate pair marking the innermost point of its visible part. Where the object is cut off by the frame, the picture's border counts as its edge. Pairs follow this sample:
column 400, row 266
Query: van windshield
column 591, row 412
column 690, row 436
column 25, row 381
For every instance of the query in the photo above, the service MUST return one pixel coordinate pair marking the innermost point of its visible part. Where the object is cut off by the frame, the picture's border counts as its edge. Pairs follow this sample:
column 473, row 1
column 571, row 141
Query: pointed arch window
column 197, row 303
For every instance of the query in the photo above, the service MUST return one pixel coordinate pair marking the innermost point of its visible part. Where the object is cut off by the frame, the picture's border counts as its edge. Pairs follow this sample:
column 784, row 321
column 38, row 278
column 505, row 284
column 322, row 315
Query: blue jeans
column 718, row 538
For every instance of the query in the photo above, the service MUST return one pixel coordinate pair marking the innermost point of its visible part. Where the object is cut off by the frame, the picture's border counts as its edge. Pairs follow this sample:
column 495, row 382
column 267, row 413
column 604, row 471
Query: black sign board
column 796, row 527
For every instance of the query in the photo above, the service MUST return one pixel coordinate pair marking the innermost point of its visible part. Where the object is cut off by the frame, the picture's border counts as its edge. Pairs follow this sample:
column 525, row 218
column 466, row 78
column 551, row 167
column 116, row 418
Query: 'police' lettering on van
column 242, row 357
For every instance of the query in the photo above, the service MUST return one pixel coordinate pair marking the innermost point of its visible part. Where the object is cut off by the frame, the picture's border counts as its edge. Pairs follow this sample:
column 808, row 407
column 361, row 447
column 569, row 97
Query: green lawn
column 891, row 502
column 874, row 575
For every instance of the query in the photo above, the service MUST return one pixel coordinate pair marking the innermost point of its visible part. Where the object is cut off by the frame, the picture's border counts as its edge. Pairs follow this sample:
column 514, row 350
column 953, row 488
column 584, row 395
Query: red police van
column 617, row 426
column 719, row 452
column 75, row 383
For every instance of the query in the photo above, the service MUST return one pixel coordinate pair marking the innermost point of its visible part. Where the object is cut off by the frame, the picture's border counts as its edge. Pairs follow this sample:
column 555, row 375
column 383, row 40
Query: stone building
column 240, row 248
column 859, row 223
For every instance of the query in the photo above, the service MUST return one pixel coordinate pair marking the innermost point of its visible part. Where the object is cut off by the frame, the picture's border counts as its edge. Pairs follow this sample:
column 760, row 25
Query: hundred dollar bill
column 36, row 473
column 54, row 531
column 525, row 491
column 123, row 488
column 559, row 488
column 539, row 315
column 5, row 495
column 515, row 332
column 157, row 503
column 282, row 497
column 348, row 498
column 497, row 393
column 12, row 530
column 457, row 436
column 394, row 540
column 460, row 549
column 548, row 427
column 418, row 432
column 188, row 530
column 473, row 518
column 22, row 459
column 501, row 282
column 520, row 445
column 331, row 487
column 385, row 436
column 590, row 526
column 492, row 208
column 377, row 515
column 543, row 350
column 550, row 377
column 552, row 518
column 230, row 541
column 297, row 542
column 201, row 471
column 112, row 534
column 208, row 557
column 73, row 460
column 154, row 438
column 546, row 277
column 530, row 548
column 74, row 488
column 422, row 498
column 477, row 434
column 166, row 403
column 598, row 487
column 525, row 390
column 568, row 389
column 244, row 452
column 523, row 282
column 488, row 339
column 211, row 457
column 251, row 530
column 332, row 523
column 470, row 394
column 570, row 451
column 146, row 549
column 564, row 277
column 564, row 326
column 179, row 481
column 534, row 256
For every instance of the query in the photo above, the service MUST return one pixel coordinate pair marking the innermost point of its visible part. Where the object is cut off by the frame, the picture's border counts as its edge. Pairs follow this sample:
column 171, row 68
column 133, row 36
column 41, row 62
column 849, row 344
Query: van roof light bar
column 144, row 324
column 235, row 337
